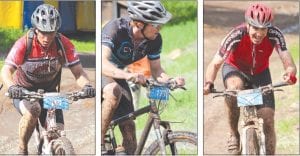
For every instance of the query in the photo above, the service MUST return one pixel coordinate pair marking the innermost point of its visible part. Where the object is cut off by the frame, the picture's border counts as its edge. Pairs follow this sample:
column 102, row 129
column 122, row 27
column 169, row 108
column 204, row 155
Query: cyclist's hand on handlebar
column 208, row 86
column 89, row 91
column 180, row 81
column 290, row 78
column 16, row 91
column 136, row 78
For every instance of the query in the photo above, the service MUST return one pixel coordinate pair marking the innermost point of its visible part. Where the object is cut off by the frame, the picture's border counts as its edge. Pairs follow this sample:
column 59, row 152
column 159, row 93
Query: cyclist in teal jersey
column 124, row 41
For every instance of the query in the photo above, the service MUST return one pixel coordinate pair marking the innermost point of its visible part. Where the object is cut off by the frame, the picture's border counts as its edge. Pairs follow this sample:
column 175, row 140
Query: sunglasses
column 156, row 25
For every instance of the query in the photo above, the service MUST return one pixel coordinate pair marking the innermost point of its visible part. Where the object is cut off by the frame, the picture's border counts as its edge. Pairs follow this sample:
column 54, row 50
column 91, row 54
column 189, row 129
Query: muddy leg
column 127, row 129
column 30, row 112
column 111, row 97
column 233, row 82
column 268, row 116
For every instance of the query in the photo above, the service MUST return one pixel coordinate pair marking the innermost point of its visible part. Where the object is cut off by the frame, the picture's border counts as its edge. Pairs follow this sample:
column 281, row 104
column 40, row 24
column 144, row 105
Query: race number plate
column 56, row 102
column 249, row 97
column 159, row 93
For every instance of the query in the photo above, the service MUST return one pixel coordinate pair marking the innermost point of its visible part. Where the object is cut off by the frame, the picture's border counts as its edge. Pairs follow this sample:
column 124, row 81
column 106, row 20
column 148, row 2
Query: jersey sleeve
column 154, row 48
column 71, row 53
column 230, row 42
column 109, row 33
column 277, row 39
column 16, row 54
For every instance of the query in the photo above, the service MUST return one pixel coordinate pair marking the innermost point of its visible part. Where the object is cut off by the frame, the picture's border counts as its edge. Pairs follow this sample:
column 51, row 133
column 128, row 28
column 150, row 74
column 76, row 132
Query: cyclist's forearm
column 288, row 62
column 7, row 75
column 111, row 71
column 211, row 72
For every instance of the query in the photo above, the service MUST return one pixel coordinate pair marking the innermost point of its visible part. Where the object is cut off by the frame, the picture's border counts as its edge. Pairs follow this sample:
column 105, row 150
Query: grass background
column 83, row 41
column 287, row 126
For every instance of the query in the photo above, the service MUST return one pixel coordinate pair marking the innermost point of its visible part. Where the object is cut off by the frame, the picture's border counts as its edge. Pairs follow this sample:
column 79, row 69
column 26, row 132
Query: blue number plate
column 56, row 102
column 249, row 98
column 159, row 93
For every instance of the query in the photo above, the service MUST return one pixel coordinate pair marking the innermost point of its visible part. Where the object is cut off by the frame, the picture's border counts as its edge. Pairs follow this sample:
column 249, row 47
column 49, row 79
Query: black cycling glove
column 89, row 91
column 16, row 91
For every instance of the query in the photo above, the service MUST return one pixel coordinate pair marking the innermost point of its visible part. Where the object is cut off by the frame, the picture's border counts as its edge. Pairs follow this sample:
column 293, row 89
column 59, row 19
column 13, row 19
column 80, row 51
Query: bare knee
column 234, row 82
column 112, row 94
column 30, row 109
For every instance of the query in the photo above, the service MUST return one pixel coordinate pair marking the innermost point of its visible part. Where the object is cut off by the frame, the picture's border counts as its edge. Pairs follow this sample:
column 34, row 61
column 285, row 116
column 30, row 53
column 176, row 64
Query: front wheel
column 177, row 143
column 62, row 146
column 252, row 145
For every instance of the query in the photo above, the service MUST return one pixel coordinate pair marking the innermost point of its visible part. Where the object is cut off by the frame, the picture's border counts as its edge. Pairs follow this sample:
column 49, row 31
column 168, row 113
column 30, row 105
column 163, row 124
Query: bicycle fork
column 260, row 135
column 159, row 136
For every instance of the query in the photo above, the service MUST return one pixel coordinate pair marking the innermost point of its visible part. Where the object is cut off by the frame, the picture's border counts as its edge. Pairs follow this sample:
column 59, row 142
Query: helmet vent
column 142, row 8
column 156, row 14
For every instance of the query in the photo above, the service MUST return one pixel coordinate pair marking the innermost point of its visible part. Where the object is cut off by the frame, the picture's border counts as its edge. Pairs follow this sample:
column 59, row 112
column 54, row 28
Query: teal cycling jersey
column 118, row 36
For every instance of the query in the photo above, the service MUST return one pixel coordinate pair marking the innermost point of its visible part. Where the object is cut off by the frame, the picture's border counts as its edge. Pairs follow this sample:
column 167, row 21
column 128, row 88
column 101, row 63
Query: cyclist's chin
column 153, row 37
column 256, row 41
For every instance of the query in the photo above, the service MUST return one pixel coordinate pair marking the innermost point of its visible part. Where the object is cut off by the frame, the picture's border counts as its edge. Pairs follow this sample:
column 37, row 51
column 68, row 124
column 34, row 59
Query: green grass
column 83, row 41
column 178, row 36
column 7, row 38
column 286, row 126
column 294, row 50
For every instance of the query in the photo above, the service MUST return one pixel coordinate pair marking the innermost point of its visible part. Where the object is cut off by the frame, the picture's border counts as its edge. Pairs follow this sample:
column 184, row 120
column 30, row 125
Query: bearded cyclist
column 40, row 69
column 124, row 41
column 245, row 52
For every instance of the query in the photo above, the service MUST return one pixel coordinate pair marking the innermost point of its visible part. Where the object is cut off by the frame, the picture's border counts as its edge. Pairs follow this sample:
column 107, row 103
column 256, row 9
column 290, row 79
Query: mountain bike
column 252, row 133
column 53, row 141
column 178, row 142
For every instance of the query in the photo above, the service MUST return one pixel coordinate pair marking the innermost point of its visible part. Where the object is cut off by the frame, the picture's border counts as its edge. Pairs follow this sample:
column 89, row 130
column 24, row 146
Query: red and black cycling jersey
column 238, row 50
column 39, row 70
column 118, row 36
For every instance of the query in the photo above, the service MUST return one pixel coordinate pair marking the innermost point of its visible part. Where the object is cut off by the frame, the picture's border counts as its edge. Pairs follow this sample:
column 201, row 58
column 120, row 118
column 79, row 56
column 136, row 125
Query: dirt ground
column 79, row 120
column 219, row 19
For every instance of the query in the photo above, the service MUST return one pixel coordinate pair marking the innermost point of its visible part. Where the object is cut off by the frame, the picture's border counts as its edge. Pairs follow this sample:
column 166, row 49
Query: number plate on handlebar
column 159, row 93
column 55, row 102
column 249, row 97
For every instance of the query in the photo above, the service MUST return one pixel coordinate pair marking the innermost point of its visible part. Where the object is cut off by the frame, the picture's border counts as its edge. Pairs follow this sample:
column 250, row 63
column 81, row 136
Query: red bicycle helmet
column 259, row 15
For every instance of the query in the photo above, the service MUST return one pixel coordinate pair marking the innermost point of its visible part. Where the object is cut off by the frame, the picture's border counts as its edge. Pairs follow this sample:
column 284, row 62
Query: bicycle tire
column 185, row 143
column 252, row 145
column 62, row 146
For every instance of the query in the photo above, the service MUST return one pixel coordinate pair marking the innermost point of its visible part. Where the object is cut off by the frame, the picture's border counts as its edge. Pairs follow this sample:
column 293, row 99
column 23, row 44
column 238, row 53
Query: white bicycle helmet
column 148, row 12
column 46, row 18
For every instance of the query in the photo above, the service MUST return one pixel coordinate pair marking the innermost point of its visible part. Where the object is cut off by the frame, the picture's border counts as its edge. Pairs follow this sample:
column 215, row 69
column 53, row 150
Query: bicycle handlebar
column 264, row 89
column 172, row 85
column 40, row 94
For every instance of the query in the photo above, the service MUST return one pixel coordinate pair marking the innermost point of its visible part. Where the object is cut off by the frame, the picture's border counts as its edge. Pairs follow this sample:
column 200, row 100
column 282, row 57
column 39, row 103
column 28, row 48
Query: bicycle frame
column 250, row 118
column 153, row 119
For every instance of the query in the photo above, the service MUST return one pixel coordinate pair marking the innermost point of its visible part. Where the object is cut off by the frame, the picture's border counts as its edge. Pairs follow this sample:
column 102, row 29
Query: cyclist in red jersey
column 41, row 69
column 245, row 53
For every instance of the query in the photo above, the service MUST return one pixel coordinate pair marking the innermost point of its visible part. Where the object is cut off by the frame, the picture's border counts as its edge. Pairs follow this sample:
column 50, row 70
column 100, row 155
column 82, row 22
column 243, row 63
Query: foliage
column 181, row 11
column 8, row 38
column 171, row 36
column 84, row 42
